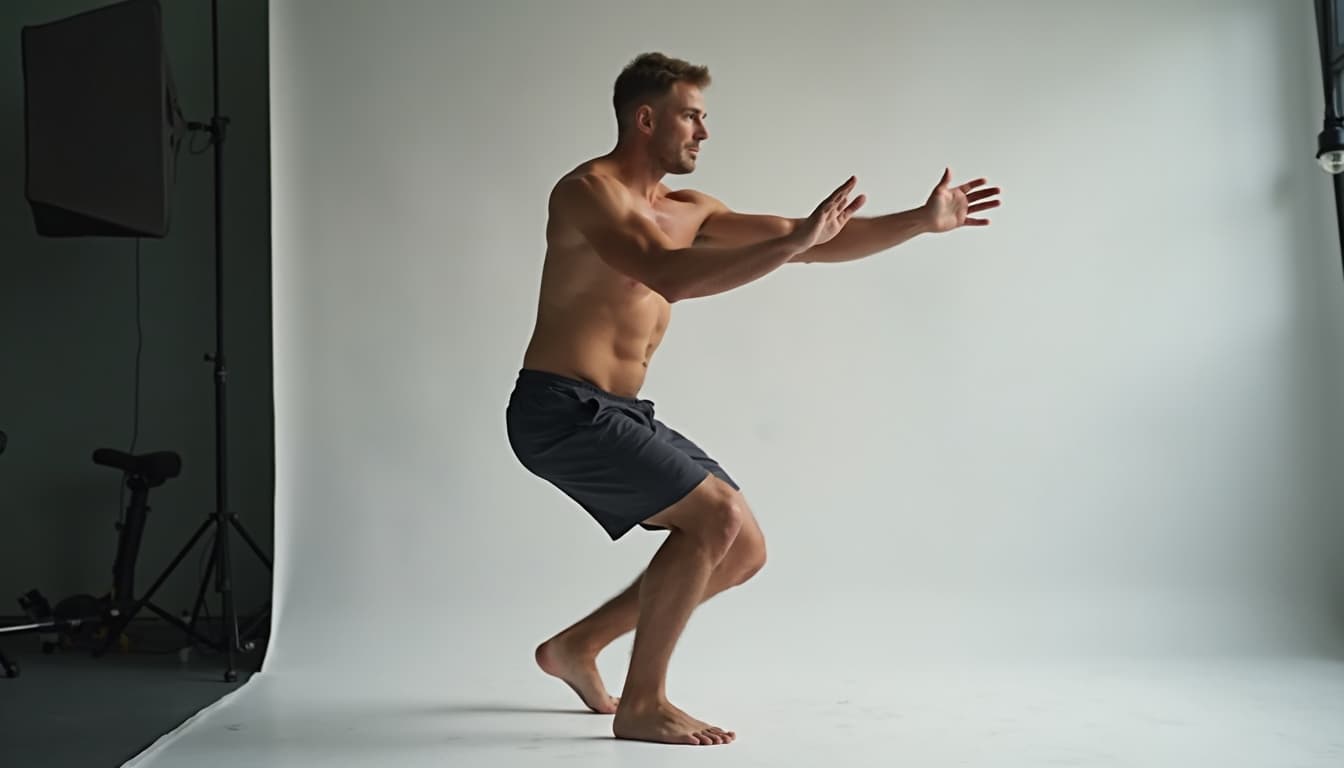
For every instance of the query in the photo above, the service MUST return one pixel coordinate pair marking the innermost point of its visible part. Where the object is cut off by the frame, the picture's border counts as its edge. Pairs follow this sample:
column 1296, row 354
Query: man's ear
column 644, row 118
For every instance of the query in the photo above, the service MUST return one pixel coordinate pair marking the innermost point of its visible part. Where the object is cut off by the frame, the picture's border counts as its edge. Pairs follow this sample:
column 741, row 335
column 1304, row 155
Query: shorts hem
column 617, row 532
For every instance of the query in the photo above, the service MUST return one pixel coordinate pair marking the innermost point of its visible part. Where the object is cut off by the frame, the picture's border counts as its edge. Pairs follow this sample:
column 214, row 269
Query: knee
column 751, row 559
column 756, row 562
column 720, row 523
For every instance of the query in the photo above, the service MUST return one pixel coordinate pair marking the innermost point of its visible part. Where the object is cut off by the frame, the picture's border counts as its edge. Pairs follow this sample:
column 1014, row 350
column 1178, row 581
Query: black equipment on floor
column 80, row 618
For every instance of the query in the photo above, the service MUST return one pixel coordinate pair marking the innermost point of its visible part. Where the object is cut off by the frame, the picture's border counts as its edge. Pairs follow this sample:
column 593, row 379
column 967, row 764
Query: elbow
column 670, row 292
column 662, row 281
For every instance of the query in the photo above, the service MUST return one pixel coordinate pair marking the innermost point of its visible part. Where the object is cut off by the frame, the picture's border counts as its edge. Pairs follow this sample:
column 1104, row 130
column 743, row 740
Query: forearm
column 866, row 236
column 707, row 270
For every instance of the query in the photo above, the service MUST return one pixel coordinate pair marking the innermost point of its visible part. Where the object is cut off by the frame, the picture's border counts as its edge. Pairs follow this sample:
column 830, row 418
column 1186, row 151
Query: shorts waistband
column 534, row 376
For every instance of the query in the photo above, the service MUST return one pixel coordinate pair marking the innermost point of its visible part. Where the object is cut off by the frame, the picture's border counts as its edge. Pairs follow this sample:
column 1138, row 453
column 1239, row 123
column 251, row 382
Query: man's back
column 593, row 322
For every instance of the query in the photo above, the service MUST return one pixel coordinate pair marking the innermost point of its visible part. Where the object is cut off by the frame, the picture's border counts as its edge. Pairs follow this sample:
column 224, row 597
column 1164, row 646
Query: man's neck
column 637, row 170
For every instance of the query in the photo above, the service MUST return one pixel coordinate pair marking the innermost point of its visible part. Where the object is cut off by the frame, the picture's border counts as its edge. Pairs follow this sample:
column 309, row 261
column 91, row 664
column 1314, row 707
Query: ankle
column 575, row 644
column 640, row 703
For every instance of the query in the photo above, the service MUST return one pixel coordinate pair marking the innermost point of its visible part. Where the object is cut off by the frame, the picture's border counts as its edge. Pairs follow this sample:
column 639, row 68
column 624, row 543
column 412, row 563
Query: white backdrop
column 1059, row 490
column 1107, row 424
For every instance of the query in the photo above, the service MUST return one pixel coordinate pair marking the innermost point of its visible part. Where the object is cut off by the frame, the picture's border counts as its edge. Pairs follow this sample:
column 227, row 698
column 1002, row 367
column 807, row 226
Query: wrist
column 796, row 242
column 926, row 219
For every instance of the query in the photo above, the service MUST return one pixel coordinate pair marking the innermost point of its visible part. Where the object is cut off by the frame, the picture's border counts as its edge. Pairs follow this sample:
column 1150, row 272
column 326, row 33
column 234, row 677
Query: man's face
column 679, row 129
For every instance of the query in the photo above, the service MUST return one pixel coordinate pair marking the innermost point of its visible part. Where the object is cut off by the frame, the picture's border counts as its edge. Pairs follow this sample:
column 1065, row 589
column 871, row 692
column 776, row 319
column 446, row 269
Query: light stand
column 223, row 520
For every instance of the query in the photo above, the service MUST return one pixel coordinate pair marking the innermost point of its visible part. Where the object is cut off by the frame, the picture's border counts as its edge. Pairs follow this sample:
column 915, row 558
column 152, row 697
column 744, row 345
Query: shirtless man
column 622, row 247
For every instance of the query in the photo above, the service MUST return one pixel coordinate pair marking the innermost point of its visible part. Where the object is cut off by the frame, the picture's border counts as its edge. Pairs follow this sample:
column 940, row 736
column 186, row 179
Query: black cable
column 135, row 404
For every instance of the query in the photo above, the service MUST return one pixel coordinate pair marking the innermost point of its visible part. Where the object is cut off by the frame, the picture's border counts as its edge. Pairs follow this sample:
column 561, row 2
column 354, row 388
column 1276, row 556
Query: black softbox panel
column 102, row 123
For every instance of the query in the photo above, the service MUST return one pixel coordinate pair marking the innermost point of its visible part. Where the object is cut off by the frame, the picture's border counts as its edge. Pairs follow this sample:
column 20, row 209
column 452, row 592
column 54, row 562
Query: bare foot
column 579, row 670
column 666, row 724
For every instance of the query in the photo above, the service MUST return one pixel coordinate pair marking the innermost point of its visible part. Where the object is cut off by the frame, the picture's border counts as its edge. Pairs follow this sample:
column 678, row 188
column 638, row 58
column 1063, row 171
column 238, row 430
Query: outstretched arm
column 948, row 207
column 600, row 209
column 867, row 236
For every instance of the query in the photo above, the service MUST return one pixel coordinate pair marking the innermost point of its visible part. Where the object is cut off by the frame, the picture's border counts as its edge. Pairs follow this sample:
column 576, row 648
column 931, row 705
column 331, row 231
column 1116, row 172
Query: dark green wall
column 68, row 338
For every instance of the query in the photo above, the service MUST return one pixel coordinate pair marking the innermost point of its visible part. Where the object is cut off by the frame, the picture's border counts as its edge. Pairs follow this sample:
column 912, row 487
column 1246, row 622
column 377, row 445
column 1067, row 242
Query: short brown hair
column 650, row 76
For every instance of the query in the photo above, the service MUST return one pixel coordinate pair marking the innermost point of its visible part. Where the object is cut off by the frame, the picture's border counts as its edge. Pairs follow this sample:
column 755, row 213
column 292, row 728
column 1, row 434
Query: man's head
column 660, row 106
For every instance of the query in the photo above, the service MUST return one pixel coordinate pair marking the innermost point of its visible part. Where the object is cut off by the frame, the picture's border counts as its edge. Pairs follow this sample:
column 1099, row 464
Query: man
column 622, row 247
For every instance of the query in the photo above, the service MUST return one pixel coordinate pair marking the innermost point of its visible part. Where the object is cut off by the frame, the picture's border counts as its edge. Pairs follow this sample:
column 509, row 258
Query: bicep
column 628, row 242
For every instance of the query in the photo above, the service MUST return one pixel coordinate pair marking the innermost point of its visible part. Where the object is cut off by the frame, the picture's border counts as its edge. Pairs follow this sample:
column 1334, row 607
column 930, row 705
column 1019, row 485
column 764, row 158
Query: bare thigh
column 706, row 503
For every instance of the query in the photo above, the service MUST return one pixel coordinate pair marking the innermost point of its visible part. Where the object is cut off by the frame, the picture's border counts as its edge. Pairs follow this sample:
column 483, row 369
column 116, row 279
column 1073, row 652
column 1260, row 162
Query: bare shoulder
column 586, row 189
column 702, row 200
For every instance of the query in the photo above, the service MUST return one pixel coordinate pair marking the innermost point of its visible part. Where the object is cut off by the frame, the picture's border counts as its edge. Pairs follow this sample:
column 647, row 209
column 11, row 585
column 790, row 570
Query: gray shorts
column 606, row 452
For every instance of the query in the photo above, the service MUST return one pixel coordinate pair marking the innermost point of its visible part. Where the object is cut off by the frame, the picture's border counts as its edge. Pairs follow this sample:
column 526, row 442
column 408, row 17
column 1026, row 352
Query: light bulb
column 1332, row 162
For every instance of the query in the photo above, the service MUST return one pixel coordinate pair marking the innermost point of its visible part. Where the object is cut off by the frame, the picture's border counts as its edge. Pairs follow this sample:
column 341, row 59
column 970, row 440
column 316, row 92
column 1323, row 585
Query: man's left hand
column 950, row 207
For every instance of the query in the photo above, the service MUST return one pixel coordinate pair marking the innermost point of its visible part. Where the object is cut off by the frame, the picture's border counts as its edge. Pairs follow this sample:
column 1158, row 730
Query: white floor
column 836, row 710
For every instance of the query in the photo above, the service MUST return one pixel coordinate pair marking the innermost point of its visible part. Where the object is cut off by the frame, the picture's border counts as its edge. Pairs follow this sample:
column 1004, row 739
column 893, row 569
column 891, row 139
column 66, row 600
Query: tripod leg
column 125, row 616
column 200, row 592
column 259, row 622
column 200, row 531
column 224, row 585
column 247, row 537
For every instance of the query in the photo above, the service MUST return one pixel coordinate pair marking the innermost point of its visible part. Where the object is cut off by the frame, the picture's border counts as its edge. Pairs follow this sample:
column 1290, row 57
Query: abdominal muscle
column 595, row 324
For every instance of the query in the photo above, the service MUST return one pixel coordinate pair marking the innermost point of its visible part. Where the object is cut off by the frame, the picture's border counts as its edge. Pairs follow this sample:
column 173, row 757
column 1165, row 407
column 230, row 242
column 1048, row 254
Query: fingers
column 983, row 206
column 841, row 192
column 836, row 200
column 845, row 209
column 982, row 194
column 854, row 206
column 947, row 178
column 976, row 222
column 968, row 186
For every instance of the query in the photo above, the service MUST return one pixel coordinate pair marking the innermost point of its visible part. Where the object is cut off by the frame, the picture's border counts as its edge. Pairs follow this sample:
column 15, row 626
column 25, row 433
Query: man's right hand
column 829, row 218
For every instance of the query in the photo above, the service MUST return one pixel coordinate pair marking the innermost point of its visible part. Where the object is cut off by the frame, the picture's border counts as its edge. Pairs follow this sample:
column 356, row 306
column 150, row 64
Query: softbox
column 102, row 124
